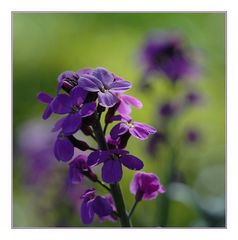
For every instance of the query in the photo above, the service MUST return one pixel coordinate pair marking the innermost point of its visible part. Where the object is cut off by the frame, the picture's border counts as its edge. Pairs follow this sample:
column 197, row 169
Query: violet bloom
column 112, row 163
column 192, row 136
column 102, row 82
column 138, row 130
column 79, row 168
column 45, row 98
column 73, row 105
column 192, row 98
column 112, row 217
column 63, row 149
column 167, row 55
column 146, row 186
column 93, row 204
column 168, row 109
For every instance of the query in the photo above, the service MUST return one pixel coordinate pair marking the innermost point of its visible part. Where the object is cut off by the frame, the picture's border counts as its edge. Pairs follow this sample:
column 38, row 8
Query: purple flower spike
column 146, row 186
column 94, row 204
column 136, row 129
column 45, row 98
column 102, row 82
column 63, row 149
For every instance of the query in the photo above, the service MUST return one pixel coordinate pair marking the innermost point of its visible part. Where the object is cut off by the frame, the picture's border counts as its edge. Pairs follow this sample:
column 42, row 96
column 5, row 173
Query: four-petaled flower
column 93, row 204
column 136, row 129
column 146, row 186
column 112, row 163
column 103, row 82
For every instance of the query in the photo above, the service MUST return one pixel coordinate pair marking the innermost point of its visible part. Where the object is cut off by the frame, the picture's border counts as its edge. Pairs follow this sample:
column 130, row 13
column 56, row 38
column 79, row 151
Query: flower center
column 104, row 89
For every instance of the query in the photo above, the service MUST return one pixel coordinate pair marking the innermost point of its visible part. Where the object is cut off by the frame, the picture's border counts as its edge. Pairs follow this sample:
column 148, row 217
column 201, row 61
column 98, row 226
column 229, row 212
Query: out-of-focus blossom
column 146, row 186
column 168, row 109
column 167, row 54
column 192, row 135
column 154, row 142
column 192, row 98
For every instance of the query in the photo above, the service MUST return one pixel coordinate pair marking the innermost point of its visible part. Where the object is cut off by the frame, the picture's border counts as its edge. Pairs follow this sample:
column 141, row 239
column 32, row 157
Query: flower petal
column 58, row 125
column 78, row 95
column 90, row 83
column 44, row 97
column 132, row 101
column 118, row 130
column 63, row 149
column 47, row 113
column 141, row 130
column 112, row 171
column 104, row 76
column 97, row 157
column 71, row 123
column 102, row 207
column 61, row 104
column 132, row 162
column 87, row 212
column 88, row 109
column 120, row 86
column 107, row 99
column 147, row 127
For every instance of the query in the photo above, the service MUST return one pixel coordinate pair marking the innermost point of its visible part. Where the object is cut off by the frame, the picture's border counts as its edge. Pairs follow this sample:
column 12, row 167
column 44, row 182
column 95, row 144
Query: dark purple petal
column 87, row 212
column 78, row 95
column 141, row 130
column 71, row 123
column 118, row 130
column 44, row 97
column 84, row 71
column 102, row 207
column 124, row 108
column 63, row 149
column 97, row 157
column 104, row 76
column 58, row 125
column 111, row 171
column 47, row 113
column 61, row 104
column 88, row 109
column 90, row 83
column 132, row 162
column 120, row 86
column 107, row 99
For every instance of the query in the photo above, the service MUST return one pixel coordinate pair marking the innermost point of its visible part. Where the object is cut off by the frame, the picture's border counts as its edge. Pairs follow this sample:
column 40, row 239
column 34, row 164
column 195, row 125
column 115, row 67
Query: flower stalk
column 115, row 188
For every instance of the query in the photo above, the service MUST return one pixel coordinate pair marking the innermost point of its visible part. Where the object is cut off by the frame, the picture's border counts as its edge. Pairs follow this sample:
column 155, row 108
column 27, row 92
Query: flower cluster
column 81, row 98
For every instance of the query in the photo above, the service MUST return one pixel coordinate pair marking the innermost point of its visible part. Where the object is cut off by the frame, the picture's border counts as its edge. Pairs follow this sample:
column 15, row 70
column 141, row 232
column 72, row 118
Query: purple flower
column 126, row 102
column 112, row 163
column 146, row 186
column 168, row 109
column 192, row 136
column 102, row 82
column 136, row 129
column 63, row 149
column 154, row 142
column 93, row 204
column 73, row 105
column 79, row 168
column 166, row 54
column 192, row 98
column 112, row 217
column 45, row 98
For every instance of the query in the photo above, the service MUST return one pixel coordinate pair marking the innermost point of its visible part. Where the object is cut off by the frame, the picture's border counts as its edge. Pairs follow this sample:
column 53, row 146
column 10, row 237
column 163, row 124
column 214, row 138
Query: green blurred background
column 46, row 44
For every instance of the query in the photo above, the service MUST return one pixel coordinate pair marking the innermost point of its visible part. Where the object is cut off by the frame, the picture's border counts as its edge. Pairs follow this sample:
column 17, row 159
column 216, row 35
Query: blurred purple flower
column 112, row 163
column 102, row 82
column 154, row 142
column 146, row 186
column 93, row 204
column 36, row 146
column 138, row 130
column 168, row 109
column 167, row 54
column 192, row 98
column 192, row 136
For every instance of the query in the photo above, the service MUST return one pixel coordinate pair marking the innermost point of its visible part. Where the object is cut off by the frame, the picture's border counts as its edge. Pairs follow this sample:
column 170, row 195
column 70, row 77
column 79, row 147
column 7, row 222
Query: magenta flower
column 112, row 163
column 146, row 186
column 73, row 105
column 93, row 204
column 45, row 98
column 138, row 130
column 102, row 82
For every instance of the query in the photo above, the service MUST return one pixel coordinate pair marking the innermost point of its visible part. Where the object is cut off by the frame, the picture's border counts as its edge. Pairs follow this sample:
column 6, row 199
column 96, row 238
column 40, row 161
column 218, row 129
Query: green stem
column 133, row 208
column 115, row 188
